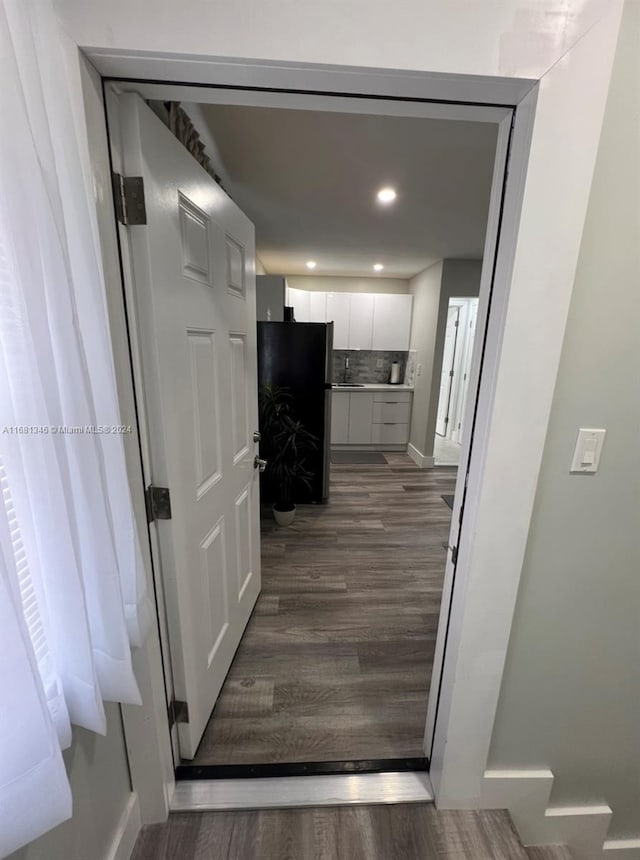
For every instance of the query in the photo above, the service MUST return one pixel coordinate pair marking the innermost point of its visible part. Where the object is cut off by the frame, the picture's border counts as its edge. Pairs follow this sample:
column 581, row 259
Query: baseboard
column 419, row 458
column 621, row 849
column 127, row 831
column 525, row 793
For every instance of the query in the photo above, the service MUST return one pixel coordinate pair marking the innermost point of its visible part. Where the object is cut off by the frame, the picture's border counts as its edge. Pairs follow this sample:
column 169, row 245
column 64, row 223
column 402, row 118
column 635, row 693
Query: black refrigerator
column 298, row 356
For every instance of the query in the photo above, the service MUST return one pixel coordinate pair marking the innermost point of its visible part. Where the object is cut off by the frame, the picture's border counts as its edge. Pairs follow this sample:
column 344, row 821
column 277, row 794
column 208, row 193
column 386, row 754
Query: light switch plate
column 586, row 456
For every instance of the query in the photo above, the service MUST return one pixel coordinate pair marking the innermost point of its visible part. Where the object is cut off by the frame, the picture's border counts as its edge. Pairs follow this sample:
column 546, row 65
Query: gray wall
column 432, row 290
column 99, row 775
column 570, row 696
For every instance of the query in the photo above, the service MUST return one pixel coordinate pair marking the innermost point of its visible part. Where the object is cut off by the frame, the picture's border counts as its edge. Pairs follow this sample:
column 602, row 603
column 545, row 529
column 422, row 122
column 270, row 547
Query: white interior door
column 448, row 362
column 193, row 267
column 455, row 429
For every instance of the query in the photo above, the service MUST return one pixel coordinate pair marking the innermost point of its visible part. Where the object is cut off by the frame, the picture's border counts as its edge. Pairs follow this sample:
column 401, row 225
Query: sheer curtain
column 73, row 597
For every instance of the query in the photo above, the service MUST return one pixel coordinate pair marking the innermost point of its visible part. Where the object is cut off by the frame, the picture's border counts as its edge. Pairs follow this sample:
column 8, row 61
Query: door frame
column 462, row 732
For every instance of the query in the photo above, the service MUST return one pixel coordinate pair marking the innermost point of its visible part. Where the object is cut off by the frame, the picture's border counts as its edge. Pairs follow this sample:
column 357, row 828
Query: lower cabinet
column 378, row 418
column 340, row 417
column 360, row 418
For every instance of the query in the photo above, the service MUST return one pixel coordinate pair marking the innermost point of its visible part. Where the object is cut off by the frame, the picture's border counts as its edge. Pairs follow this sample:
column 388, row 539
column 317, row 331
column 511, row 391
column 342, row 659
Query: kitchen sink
column 347, row 385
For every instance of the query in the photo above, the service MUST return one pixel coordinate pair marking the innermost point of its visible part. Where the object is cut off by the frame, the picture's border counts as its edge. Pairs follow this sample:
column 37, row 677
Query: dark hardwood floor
column 396, row 832
column 336, row 660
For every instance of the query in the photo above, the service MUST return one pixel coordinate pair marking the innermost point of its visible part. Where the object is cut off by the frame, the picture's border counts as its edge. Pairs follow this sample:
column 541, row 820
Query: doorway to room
column 457, row 355
column 335, row 663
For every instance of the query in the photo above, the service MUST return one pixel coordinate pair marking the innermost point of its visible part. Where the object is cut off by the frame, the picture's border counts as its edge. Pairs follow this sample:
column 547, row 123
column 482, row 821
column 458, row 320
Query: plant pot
column 284, row 518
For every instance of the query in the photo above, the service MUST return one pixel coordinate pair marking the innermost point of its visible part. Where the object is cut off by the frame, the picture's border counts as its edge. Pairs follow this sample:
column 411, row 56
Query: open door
column 193, row 272
column 448, row 367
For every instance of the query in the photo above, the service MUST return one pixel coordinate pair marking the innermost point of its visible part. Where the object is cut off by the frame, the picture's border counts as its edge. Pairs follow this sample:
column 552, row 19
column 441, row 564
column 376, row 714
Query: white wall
column 327, row 284
column 97, row 768
column 570, row 697
column 500, row 38
column 432, row 290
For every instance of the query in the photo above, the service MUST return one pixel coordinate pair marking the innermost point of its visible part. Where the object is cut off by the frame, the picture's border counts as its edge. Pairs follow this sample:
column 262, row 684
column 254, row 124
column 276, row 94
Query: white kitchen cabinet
column 338, row 312
column 360, row 418
column 393, row 412
column 317, row 307
column 361, row 321
column 391, row 321
column 300, row 302
column 390, row 434
column 378, row 418
column 340, row 417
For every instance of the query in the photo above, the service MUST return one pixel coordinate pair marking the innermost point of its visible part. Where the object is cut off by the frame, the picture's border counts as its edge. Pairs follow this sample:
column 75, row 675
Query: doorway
column 460, row 331
column 395, row 470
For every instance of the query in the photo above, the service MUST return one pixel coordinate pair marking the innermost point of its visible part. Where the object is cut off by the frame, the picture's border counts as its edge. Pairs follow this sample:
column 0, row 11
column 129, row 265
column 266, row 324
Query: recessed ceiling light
column 387, row 195
column 311, row 264
column 378, row 267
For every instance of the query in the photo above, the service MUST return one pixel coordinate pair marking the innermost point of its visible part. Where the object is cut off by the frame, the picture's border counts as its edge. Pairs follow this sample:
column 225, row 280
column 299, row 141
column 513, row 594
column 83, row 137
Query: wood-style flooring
column 396, row 832
column 336, row 660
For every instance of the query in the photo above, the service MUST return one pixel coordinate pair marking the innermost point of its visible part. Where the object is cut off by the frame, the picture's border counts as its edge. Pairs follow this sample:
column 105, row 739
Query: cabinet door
column 391, row 321
column 299, row 300
column 317, row 307
column 360, row 418
column 361, row 321
column 340, row 417
column 338, row 308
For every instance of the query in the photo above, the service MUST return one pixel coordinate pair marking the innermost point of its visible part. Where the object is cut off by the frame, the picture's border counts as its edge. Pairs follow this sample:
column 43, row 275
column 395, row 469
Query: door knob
column 259, row 464
column 257, row 435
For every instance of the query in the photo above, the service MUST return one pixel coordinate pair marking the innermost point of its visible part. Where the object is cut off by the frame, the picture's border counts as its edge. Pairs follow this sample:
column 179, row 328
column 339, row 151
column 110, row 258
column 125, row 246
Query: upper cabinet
column 318, row 307
column 379, row 321
column 339, row 313
column 307, row 306
column 299, row 301
column 361, row 321
column 391, row 321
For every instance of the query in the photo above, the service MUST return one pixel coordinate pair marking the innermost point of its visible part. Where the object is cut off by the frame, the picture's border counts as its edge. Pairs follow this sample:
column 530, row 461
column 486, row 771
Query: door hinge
column 454, row 555
column 451, row 373
column 128, row 196
column 158, row 503
column 456, row 323
column 178, row 712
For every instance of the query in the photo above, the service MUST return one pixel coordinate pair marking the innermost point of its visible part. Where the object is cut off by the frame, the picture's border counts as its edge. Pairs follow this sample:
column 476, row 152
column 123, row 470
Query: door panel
column 194, row 285
column 448, row 363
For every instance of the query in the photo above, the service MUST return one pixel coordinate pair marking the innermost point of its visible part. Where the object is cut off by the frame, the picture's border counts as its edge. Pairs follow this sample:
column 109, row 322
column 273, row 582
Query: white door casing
column 194, row 282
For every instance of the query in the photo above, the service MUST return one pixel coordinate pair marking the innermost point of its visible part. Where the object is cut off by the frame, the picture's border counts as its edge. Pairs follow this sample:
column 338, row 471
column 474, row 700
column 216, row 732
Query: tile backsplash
column 363, row 365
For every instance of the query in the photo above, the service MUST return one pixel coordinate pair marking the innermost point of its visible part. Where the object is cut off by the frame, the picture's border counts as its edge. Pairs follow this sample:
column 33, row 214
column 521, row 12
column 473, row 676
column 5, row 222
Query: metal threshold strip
column 210, row 795
column 298, row 784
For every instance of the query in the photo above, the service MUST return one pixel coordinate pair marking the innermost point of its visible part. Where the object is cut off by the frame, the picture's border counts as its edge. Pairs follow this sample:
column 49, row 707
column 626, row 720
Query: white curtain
column 69, row 553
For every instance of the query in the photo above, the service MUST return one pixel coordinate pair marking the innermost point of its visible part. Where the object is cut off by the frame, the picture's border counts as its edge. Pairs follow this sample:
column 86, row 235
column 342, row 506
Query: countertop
column 372, row 387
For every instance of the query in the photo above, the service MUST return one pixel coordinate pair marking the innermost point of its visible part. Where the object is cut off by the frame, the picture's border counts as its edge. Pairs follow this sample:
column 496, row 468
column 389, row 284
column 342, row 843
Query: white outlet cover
column 379, row 363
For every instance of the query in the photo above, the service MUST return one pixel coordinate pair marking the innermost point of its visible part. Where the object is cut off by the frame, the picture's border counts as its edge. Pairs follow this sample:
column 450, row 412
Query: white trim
column 472, row 90
column 419, row 458
column 297, row 791
column 621, row 849
column 126, row 834
column 145, row 726
column 525, row 793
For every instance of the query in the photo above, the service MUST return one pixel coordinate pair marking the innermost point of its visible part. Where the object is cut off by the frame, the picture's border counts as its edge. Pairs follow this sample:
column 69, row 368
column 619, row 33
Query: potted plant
column 285, row 445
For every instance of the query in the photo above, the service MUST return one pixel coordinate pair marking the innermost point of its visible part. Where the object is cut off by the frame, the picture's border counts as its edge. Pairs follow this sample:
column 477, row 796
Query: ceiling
column 308, row 180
